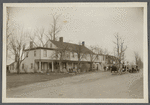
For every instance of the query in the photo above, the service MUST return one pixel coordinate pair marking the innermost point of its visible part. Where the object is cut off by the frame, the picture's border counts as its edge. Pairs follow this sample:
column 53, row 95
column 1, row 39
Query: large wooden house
column 58, row 55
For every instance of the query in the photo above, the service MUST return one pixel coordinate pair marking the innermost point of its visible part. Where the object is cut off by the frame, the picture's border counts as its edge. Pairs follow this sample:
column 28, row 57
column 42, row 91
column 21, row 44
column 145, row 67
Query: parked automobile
column 134, row 69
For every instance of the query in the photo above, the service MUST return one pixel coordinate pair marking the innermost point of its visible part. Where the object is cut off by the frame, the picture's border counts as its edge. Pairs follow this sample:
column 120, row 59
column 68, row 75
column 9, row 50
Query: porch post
column 60, row 64
column 47, row 67
column 67, row 66
column 39, row 65
column 52, row 66
column 72, row 65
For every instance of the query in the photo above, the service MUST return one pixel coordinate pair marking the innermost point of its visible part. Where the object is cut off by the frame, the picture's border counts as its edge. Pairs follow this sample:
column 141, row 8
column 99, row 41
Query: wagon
column 114, row 68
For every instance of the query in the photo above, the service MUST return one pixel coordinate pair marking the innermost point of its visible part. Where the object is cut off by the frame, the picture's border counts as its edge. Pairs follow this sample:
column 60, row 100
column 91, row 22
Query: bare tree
column 61, row 54
column 81, row 54
column 8, row 25
column 55, row 28
column 33, row 38
column 39, row 34
column 140, row 63
column 120, row 48
column 138, row 60
column 98, row 50
column 105, row 51
column 17, row 47
column 136, row 55
column 9, row 32
column 39, row 38
column 94, row 56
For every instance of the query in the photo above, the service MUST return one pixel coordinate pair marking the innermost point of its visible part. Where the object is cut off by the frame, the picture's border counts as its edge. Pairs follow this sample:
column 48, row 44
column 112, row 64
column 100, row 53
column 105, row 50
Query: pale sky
column 94, row 25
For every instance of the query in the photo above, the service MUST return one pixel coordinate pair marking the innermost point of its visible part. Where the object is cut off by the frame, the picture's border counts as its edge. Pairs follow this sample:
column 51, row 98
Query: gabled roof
column 64, row 45
column 72, row 47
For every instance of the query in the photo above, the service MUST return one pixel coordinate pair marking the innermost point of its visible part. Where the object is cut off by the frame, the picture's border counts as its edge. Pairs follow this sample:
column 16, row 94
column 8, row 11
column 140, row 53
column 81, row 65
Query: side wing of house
column 28, row 64
column 12, row 67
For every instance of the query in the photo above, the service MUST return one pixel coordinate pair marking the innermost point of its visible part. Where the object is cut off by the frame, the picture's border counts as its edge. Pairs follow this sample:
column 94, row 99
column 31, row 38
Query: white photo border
column 73, row 100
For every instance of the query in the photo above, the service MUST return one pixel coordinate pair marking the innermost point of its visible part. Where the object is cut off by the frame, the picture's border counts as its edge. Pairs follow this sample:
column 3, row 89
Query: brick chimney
column 83, row 43
column 61, row 39
column 31, row 44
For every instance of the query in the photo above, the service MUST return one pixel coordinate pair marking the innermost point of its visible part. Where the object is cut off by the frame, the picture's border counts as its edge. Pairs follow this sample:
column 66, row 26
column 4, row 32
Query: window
column 45, row 53
column 56, row 54
column 35, row 53
column 22, row 66
column 73, row 54
column 27, row 54
column 67, row 54
column 31, row 65
column 12, row 66
column 47, row 45
column 73, row 65
column 85, row 56
column 97, row 57
column 106, row 57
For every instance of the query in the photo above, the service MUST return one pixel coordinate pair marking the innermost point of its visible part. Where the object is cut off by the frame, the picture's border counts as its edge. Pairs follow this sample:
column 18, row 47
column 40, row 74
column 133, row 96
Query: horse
column 104, row 68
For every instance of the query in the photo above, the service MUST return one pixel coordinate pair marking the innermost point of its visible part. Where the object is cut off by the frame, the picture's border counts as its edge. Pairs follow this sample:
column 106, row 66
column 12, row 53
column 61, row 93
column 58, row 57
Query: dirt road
column 92, row 85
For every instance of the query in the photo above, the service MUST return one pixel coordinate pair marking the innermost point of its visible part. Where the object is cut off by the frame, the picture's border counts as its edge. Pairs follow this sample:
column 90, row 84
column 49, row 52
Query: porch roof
column 48, row 60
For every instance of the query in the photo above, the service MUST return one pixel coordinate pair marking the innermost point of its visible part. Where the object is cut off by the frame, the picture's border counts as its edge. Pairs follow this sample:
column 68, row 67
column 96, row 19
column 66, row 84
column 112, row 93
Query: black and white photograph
column 75, row 52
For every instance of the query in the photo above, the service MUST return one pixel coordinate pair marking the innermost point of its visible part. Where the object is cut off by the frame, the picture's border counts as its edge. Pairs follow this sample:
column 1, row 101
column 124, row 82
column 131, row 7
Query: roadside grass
column 16, row 80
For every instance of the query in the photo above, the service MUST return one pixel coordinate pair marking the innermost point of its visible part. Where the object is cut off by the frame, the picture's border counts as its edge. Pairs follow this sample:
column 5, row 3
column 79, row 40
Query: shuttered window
column 45, row 53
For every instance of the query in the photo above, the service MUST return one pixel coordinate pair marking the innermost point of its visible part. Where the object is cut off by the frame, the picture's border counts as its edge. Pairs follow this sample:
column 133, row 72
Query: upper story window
column 67, row 54
column 98, row 57
column 22, row 66
column 85, row 56
column 46, row 45
column 106, row 57
column 56, row 54
column 27, row 54
column 12, row 66
column 31, row 65
column 45, row 53
column 35, row 53
column 73, row 54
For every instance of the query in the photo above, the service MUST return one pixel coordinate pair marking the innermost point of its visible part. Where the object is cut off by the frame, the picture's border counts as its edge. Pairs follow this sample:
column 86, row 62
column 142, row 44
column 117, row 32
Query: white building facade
column 54, row 56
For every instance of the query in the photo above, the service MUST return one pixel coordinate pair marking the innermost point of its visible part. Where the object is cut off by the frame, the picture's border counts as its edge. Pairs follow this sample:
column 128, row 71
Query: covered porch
column 46, row 66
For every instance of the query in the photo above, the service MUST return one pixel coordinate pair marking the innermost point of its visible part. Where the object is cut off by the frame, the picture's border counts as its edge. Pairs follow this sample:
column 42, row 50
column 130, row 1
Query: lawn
column 16, row 80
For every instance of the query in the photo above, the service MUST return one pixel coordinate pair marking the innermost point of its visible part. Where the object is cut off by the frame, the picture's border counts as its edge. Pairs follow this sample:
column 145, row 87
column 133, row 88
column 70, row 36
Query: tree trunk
column 59, row 66
column 91, row 66
column 17, row 67
column 78, row 66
